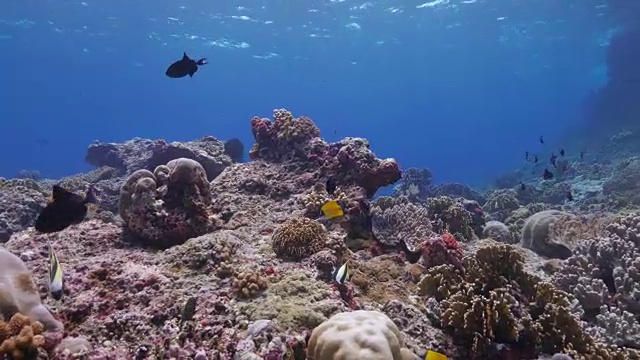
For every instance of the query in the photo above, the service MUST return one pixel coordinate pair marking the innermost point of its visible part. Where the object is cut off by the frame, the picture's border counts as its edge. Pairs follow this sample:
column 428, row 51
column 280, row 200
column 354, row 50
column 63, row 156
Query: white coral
column 358, row 334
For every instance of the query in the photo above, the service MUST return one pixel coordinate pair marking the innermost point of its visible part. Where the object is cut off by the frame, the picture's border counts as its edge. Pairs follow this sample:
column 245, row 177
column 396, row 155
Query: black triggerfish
column 185, row 66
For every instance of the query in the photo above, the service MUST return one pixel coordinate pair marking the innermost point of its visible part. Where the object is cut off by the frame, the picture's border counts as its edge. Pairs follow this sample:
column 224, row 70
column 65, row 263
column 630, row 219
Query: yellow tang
column 432, row 355
column 332, row 210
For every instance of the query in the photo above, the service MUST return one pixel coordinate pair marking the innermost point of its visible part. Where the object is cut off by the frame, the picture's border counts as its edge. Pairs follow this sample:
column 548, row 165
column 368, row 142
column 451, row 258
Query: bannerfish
column 56, row 281
column 330, row 186
column 432, row 355
column 547, row 174
column 332, row 210
column 185, row 66
column 64, row 209
column 342, row 274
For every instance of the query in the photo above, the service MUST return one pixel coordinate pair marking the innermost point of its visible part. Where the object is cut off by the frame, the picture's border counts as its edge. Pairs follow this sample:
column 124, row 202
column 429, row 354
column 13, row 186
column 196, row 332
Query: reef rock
column 138, row 154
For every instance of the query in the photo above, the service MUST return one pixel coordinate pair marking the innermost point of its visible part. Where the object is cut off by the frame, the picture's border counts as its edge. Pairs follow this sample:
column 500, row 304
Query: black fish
column 330, row 186
column 547, row 174
column 65, row 209
column 235, row 149
column 561, row 152
column 541, row 140
column 526, row 155
column 188, row 311
column 535, row 159
column 184, row 67
column 581, row 155
column 553, row 160
column 569, row 196
column 523, row 187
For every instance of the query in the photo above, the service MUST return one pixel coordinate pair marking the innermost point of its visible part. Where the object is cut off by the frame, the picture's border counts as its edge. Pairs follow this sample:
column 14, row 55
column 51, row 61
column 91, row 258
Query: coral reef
column 20, row 337
column 246, row 246
column 537, row 235
column 357, row 334
column 397, row 220
column 168, row 206
column 298, row 238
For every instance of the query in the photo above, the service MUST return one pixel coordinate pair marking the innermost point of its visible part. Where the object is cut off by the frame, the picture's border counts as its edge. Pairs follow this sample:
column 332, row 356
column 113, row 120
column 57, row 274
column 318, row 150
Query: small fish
column 523, row 187
column 332, row 210
column 432, row 355
column 553, row 160
column 184, row 67
column 64, row 209
column 569, row 196
column 56, row 280
column 188, row 311
column 561, row 152
column 526, row 156
column 535, row 159
column 342, row 274
column 330, row 186
column 547, row 174
column 581, row 155
column 541, row 140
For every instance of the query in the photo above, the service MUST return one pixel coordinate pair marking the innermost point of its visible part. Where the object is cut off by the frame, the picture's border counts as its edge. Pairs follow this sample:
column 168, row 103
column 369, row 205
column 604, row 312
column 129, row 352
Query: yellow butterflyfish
column 56, row 281
column 432, row 355
column 332, row 210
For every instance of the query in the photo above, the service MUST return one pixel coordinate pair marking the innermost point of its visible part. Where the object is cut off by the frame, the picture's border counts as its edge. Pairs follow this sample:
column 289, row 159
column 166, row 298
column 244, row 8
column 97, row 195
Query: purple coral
column 168, row 206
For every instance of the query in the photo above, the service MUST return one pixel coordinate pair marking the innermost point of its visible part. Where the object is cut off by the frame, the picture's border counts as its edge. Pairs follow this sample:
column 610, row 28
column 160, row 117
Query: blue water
column 460, row 87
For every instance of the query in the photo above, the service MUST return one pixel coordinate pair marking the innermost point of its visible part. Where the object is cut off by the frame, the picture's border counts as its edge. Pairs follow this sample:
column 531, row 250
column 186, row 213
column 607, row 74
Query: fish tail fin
column 202, row 61
column 90, row 197
column 185, row 56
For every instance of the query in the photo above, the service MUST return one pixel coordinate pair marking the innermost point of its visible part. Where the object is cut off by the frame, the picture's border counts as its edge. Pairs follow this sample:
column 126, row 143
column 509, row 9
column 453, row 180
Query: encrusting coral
column 168, row 206
column 298, row 238
column 18, row 292
column 20, row 337
column 357, row 334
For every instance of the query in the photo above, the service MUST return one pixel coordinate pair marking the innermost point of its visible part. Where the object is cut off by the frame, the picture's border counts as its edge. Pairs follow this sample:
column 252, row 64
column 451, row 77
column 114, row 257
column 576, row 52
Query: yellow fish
column 332, row 210
column 56, row 282
column 432, row 355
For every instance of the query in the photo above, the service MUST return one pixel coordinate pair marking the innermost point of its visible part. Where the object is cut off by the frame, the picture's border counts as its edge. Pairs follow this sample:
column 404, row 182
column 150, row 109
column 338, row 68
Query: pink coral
column 440, row 250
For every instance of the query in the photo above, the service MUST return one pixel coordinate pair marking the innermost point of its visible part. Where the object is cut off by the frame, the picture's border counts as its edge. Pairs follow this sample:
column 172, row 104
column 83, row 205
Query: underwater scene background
column 339, row 179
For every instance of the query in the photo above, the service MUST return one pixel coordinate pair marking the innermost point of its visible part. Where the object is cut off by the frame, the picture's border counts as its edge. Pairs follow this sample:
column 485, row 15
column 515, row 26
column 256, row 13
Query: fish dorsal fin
column 61, row 194
column 184, row 56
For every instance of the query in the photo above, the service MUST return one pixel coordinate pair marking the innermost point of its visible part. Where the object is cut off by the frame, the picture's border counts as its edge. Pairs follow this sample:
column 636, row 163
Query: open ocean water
column 457, row 86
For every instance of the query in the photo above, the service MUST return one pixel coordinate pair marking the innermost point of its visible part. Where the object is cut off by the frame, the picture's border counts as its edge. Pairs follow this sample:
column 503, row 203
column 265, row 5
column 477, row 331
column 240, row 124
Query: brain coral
column 497, row 231
column 536, row 235
column 18, row 292
column 298, row 238
column 168, row 206
column 357, row 334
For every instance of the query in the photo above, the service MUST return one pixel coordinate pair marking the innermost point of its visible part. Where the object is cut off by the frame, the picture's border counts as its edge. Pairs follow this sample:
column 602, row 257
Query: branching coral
column 396, row 220
column 604, row 275
column 168, row 206
column 451, row 215
column 249, row 284
column 20, row 337
column 298, row 238
column 501, row 203
column 357, row 334
column 496, row 301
